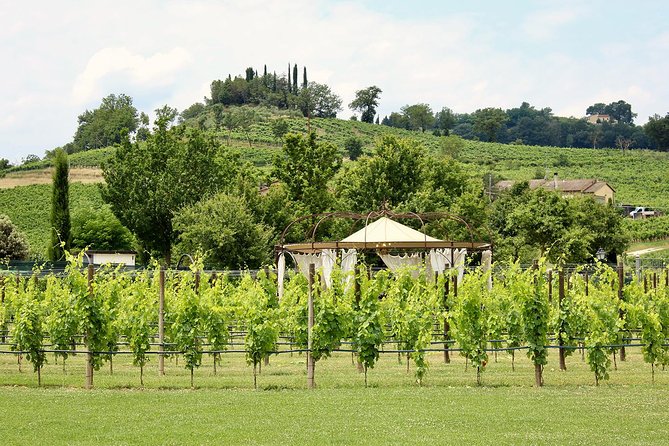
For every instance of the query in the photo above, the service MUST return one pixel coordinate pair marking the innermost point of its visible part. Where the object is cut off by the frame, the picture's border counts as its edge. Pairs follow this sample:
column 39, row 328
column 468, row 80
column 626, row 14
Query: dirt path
column 641, row 252
column 43, row 176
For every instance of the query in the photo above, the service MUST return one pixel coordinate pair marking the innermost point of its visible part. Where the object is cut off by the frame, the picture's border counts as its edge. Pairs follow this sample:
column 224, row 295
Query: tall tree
column 304, row 78
column 60, row 207
column 365, row 102
column 295, row 79
column 105, row 125
column 290, row 83
column 445, row 120
column 146, row 184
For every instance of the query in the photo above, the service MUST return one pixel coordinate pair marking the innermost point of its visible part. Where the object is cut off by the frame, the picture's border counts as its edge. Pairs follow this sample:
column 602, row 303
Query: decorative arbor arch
column 383, row 235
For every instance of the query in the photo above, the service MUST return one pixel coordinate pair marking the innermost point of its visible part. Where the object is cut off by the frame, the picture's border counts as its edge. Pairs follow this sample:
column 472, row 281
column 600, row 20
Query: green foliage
column 188, row 323
column 305, row 166
column 367, row 323
column 657, row 128
column 105, row 125
column 489, row 121
column 99, row 229
column 137, row 317
column 178, row 167
column 365, row 102
column 353, row 146
column 472, row 321
column 317, row 100
column 28, row 331
column 61, row 237
column 223, row 228
column 13, row 243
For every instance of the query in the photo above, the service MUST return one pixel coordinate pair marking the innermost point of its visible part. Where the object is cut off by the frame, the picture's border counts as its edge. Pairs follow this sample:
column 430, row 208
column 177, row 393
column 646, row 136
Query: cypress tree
column 304, row 78
column 290, row 83
column 295, row 78
column 60, row 207
column 274, row 83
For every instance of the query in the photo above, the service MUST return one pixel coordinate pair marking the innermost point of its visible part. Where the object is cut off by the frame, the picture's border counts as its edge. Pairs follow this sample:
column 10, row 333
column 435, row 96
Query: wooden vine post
column 563, row 365
column 89, row 355
column 447, row 325
column 3, row 328
column 310, row 328
column 161, row 321
column 621, row 312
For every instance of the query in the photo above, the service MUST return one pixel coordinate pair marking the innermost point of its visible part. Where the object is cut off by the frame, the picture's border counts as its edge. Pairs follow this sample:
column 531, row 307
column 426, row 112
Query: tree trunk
column 538, row 378
column 192, row 370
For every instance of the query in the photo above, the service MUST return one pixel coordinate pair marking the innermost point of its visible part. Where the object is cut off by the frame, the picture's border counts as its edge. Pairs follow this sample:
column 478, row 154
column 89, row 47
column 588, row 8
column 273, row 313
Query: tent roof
column 385, row 230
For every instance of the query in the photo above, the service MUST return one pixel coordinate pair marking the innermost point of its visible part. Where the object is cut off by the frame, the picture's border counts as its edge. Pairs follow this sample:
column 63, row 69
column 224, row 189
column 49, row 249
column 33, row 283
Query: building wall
column 113, row 258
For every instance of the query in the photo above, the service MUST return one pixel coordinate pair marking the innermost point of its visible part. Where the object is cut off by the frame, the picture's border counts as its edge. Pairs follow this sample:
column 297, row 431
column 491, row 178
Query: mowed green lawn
column 224, row 409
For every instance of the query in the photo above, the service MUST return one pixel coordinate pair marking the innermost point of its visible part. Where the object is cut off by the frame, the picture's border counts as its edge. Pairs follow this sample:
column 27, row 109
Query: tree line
column 611, row 125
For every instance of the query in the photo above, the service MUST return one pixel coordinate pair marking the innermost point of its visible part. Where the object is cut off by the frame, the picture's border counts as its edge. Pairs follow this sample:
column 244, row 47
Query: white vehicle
column 642, row 212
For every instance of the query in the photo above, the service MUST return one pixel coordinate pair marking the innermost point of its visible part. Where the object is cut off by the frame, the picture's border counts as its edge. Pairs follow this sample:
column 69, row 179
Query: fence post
column 2, row 302
column 447, row 326
column 563, row 365
column 637, row 264
column 161, row 321
column 310, row 328
column 621, row 283
column 550, row 285
column 89, row 355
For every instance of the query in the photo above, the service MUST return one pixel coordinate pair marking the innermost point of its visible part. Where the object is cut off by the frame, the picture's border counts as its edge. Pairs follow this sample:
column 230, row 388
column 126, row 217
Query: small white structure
column 126, row 258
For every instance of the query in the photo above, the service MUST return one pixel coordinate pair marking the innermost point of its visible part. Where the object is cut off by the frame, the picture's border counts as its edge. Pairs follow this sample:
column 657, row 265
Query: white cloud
column 158, row 69
column 545, row 24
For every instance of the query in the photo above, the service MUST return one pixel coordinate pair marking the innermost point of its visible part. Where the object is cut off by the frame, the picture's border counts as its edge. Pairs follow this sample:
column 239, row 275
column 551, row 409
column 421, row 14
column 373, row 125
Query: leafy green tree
column 4, row 163
column 418, row 116
column 146, row 184
column 365, row 102
column 444, row 120
column 353, row 146
column 106, row 125
column 304, row 78
column 61, row 237
column 657, row 128
column 223, row 228
column 13, row 243
column 100, row 229
column 295, row 79
column 306, row 166
column 489, row 121
column 318, row 101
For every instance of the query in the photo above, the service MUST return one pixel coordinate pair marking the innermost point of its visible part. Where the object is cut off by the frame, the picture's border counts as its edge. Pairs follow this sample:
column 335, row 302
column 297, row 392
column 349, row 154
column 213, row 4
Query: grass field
column 224, row 409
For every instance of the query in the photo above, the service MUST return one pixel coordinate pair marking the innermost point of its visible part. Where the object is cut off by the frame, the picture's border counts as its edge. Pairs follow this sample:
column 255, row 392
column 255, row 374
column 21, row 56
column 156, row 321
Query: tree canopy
column 105, row 125
column 365, row 102
column 146, row 184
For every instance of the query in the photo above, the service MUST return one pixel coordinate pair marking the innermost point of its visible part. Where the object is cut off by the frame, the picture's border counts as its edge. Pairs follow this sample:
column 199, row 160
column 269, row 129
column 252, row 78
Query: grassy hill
column 639, row 177
column 29, row 207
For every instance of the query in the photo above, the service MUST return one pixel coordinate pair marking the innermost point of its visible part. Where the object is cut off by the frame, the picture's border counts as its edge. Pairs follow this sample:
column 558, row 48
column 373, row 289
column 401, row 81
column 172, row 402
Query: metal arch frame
column 422, row 217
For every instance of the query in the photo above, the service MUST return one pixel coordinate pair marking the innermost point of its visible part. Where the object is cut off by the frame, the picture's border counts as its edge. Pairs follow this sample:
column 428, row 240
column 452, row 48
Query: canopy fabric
column 387, row 230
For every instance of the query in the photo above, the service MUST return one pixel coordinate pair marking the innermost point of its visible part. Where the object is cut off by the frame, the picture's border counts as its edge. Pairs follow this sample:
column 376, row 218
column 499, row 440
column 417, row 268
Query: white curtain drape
column 459, row 262
column 486, row 263
column 394, row 263
column 328, row 259
column 436, row 262
column 348, row 260
column 303, row 261
column 280, row 273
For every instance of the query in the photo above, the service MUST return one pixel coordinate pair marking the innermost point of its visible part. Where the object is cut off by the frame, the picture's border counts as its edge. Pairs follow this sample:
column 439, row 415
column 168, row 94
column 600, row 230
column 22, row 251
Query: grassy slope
column 29, row 207
column 639, row 177
column 225, row 409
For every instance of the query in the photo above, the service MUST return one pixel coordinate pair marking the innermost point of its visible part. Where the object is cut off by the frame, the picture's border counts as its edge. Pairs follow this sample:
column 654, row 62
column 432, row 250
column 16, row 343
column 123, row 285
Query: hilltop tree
column 13, row 243
column 489, row 121
column 365, row 102
column 146, row 184
column 60, row 207
column 418, row 116
column 318, row 101
column 304, row 78
column 105, row 125
column 444, row 120
column 295, row 79
column 619, row 111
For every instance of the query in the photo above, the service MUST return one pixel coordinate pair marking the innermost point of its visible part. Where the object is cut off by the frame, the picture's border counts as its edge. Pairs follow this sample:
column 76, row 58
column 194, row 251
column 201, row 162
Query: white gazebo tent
column 386, row 237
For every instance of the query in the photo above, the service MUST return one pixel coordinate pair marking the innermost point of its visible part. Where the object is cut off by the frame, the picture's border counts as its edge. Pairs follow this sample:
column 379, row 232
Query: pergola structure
column 383, row 234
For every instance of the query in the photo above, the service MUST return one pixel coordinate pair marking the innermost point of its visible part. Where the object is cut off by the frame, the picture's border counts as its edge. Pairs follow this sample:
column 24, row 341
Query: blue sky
column 63, row 57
